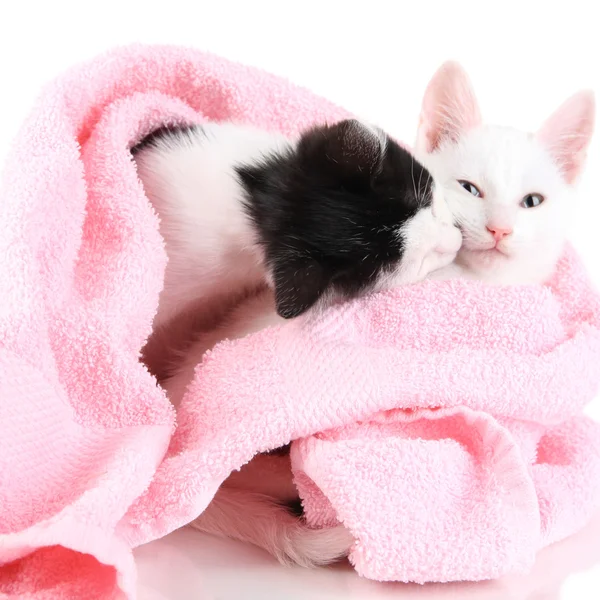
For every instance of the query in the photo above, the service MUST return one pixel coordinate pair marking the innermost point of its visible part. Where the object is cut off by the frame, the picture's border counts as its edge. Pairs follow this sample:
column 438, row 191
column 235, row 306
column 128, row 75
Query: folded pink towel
column 83, row 425
column 481, row 458
column 482, row 455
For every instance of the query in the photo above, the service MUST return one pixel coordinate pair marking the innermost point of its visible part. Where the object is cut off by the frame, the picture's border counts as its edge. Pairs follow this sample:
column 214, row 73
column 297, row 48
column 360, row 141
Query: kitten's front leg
column 260, row 520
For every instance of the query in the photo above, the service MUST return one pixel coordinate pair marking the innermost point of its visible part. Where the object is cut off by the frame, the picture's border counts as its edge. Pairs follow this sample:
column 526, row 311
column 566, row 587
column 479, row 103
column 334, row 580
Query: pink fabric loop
column 444, row 494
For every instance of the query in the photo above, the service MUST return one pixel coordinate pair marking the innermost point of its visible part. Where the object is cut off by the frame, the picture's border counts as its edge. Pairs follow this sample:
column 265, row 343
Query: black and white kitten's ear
column 449, row 108
column 298, row 283
column 349, row 149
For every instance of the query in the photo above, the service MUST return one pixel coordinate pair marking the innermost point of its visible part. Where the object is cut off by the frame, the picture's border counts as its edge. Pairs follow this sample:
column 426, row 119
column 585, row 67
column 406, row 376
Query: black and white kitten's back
column 338, row 211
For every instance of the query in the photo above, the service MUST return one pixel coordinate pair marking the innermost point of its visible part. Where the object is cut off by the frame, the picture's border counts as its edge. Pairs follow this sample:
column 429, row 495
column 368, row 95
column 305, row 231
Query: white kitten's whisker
column 412, row 174
column 422, row 199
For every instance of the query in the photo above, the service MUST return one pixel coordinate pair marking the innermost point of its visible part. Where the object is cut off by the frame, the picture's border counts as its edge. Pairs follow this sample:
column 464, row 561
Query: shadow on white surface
column 188, row 565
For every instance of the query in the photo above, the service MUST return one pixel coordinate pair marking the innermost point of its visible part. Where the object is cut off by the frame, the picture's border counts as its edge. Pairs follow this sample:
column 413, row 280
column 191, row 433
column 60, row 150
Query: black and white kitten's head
column 347, row 210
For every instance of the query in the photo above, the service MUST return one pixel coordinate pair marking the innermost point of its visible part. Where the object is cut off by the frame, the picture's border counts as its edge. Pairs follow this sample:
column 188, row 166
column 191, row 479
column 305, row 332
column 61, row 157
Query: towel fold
column 83, row 425
column 441, row 423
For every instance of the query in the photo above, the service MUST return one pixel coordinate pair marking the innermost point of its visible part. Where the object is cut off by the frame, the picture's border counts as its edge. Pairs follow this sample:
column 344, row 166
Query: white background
column 375, row 58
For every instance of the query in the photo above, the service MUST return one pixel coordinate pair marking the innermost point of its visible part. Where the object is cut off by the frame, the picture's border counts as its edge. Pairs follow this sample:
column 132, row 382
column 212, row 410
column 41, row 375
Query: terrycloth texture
column 488, row 460
column 83, row 426
column 482, row 456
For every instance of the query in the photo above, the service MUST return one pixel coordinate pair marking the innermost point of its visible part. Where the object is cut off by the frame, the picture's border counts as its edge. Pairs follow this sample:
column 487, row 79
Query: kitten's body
column 503, row 243
column 189, row 177
column 339, row 210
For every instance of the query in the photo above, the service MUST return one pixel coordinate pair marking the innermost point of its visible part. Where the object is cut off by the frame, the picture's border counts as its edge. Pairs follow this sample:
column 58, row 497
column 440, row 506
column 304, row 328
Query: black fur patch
column 329, row 212
column 295, row 507
column 174, row 133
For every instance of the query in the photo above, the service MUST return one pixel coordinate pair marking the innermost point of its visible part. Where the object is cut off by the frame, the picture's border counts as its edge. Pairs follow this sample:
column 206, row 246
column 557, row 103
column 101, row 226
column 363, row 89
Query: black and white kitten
column 339, row 211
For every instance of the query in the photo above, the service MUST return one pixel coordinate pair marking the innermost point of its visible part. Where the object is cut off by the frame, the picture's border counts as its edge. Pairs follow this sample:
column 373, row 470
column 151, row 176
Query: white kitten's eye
column 471, row 188
column 532, row 200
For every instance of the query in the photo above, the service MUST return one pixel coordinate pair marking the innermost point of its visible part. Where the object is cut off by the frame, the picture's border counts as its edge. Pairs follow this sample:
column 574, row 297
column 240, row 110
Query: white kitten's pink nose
column 499, row 233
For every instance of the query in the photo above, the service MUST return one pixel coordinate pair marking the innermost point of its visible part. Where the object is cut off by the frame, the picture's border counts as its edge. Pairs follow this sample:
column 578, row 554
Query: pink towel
column 441, row 422
column 481, row 458
column 83, row 425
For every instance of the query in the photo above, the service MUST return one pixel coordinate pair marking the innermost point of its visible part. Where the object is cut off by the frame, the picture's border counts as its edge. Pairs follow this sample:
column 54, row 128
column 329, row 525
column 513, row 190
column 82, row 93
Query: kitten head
column 346, row 210
column 512, row 193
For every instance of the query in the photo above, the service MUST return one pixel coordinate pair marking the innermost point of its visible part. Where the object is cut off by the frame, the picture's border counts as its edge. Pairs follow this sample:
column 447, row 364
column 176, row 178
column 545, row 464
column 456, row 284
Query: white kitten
column 512, row 193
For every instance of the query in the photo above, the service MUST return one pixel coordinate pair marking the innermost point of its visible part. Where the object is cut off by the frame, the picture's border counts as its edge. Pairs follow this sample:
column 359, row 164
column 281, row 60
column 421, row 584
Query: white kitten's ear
column 568, row 131
column 449, row 107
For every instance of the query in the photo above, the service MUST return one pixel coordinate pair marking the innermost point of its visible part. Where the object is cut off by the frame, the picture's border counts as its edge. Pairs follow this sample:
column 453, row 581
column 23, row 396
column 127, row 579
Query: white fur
column 248, row 507
column 505, row 165
column 212, row 248
column 195, row 192
column 256, row 519
column 431, row 239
